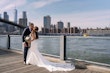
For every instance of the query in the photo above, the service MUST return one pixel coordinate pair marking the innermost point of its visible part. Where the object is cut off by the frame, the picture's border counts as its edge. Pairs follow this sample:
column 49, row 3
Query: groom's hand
column 25, row 45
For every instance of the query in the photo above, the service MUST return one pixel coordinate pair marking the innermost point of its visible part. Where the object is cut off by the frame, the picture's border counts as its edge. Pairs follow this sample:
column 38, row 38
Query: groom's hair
column 30, row 24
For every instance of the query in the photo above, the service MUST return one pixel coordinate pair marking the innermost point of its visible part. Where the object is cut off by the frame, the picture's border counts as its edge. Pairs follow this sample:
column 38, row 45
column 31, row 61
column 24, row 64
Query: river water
column 95, row 49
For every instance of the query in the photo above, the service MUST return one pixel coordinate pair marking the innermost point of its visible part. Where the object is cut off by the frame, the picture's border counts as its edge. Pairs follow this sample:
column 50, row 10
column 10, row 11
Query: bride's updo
column 36, row 31
column 36, row 28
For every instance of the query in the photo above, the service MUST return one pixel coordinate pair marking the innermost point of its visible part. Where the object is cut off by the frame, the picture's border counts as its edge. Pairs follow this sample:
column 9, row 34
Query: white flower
column 27, row 38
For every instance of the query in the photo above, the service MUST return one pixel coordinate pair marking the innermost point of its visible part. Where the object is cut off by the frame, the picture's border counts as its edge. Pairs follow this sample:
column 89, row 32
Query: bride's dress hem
column 34, row 57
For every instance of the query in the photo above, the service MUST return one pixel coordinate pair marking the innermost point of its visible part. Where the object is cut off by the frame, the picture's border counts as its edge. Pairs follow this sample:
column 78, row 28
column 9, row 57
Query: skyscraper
column 24, row 15
column 68, row 25
column 60, row 25
column 6, row 17
column 23, row 20
column 15, row 15
column 0, row 16
column 15, row 20
column 47, row 22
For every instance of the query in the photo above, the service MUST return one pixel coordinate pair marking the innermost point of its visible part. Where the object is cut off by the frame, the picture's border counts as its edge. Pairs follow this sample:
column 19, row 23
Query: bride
column 34, row 57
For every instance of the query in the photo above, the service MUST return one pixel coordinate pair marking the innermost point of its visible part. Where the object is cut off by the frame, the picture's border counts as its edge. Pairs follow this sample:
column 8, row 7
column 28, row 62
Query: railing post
column 63, row 47
column 8, row 42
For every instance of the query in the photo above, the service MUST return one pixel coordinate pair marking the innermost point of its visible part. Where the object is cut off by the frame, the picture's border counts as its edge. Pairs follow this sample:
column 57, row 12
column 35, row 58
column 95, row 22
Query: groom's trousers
column 25, row 53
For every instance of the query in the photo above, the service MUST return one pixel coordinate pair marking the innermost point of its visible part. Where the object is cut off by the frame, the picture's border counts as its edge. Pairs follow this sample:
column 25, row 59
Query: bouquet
column 28, row 40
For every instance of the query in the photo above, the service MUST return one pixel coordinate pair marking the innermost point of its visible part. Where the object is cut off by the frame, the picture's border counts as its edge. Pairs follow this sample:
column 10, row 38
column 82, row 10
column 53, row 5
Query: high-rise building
column 23, row 21
column 0, row 15
column 60, row 25
column 47, row 22
column 6, row 17
column 0, row 18
column 24, row 15
column 24, row 18
column 68, row 25
column 9, row 28
column 15, row 15
column 15, row 19
column 20, row 21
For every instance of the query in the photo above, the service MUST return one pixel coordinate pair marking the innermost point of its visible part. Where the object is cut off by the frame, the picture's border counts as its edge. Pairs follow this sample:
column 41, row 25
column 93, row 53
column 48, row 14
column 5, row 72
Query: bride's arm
column 33, row 36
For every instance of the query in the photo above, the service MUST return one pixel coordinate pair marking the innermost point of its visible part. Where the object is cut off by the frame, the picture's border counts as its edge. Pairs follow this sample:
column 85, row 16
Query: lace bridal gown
column 34, row 57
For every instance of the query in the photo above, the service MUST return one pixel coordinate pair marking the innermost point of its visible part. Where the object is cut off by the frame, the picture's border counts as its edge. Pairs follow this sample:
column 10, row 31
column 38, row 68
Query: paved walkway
column 11, row 62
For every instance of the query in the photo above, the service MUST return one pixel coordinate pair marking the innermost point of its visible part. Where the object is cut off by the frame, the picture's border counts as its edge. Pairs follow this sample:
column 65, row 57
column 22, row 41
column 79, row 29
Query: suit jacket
column 25, row 33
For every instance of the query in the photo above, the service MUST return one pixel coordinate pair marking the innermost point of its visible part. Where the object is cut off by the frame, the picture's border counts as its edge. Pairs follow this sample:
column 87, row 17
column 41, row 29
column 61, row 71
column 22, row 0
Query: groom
column 25, row 33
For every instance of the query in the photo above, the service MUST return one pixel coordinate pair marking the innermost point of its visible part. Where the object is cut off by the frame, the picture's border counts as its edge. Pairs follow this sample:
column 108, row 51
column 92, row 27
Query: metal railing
column 13, row 43
column 64, row 47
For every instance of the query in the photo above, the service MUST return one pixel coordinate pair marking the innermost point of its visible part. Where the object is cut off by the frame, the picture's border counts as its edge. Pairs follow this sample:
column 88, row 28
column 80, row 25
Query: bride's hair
column 36, row 29
column 34, row 33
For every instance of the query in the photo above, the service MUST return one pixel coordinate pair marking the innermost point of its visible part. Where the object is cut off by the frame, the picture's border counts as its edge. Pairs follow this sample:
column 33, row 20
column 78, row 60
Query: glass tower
column 47, row 22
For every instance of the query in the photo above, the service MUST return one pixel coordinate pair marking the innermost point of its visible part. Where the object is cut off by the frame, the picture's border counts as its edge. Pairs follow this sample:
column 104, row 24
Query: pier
column 12, row 62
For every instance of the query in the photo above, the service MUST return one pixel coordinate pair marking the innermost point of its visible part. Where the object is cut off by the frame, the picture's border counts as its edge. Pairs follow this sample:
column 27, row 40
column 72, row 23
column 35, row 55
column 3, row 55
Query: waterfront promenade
column 12, row 62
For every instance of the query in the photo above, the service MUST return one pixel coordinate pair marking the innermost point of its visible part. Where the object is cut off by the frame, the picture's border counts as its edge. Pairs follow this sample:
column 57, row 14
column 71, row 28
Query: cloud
column 100, row 18
column 3, row 2
column 92, row 16
column 6, row 5
column 92, row 19
column 43, row 3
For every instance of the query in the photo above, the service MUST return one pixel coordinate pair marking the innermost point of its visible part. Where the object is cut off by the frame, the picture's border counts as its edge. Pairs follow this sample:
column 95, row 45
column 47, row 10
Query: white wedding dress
column 34, row 57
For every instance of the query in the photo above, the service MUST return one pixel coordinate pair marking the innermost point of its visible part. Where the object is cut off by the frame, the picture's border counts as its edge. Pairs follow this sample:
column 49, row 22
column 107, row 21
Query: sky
column 80, row 13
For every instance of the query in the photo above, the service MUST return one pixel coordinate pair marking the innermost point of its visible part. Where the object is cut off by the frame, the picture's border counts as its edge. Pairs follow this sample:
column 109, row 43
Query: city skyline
column 79, row 13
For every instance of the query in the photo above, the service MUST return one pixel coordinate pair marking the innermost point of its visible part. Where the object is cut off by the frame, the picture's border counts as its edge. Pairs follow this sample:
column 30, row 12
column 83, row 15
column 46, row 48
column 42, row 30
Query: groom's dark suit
column 25, row 33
